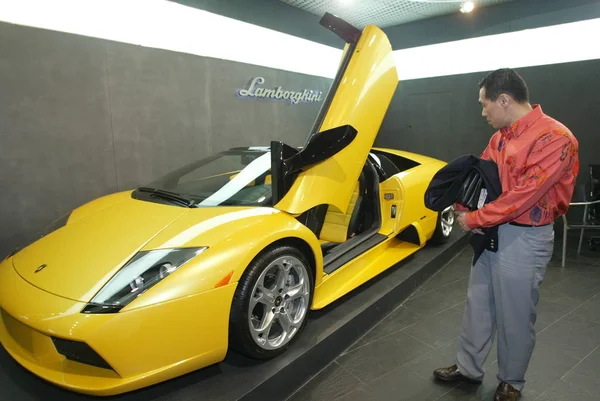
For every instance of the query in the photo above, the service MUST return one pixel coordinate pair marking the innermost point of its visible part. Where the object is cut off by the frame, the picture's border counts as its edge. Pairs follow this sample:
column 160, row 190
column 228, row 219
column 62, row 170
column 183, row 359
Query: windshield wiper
column 161, row 193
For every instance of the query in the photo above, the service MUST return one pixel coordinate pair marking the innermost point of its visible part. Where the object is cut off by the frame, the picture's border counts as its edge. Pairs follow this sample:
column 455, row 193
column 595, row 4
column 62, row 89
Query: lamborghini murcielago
column 230, row 252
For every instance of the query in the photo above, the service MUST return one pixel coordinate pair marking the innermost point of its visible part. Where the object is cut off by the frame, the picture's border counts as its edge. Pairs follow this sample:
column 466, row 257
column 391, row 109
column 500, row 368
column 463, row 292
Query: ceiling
column 385, row 13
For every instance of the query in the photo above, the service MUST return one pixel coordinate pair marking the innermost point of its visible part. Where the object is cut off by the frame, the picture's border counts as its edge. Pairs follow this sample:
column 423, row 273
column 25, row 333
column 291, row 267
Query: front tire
column 271, row 303
column 443, row 226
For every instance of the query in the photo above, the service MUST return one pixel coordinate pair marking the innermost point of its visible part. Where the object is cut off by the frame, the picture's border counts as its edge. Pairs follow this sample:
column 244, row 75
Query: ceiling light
column 467, row 7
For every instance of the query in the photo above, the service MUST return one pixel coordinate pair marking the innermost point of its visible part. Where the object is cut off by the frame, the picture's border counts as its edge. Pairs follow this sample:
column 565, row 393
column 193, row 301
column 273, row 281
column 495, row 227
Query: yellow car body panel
column 391, row 196
column 357, row 272
column 362, row 99
column 410, row 210
column 408, row 183
column 144, row 346
column 171, row 322
column 182, row 322
column 226, row 231
column 234, row 237
column 96, row 233
column 415, row 212
column 98, row 205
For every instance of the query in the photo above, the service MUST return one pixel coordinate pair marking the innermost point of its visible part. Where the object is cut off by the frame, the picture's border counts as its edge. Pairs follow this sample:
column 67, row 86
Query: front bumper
column 136, row 348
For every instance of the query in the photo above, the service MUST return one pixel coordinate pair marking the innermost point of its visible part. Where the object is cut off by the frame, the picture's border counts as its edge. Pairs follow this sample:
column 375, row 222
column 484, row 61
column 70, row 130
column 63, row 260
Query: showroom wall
column 83, row 117
column 440, row 116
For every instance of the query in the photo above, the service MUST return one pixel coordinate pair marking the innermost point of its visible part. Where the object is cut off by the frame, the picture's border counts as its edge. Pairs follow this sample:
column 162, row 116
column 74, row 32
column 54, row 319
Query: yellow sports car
column 230, row 252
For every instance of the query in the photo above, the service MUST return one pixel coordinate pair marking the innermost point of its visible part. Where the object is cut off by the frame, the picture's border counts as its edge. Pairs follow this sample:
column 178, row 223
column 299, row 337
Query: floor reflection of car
column 230, row 252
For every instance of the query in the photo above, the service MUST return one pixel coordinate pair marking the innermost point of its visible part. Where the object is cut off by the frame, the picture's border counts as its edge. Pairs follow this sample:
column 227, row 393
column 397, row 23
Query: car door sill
column 352, row 248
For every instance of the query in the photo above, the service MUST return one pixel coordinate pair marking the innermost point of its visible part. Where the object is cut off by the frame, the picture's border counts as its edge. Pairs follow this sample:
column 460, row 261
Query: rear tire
column 271, row 303
column 443, row 226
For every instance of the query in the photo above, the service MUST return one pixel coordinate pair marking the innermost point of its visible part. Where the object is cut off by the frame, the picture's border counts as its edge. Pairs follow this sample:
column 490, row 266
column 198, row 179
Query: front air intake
column 79, row 352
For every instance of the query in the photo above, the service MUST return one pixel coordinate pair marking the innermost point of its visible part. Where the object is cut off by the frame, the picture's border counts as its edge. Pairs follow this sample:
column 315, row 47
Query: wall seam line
column 112, row 128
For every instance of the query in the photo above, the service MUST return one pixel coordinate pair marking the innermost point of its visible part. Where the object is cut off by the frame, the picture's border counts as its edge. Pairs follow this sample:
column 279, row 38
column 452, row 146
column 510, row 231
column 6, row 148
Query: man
column 538, row 163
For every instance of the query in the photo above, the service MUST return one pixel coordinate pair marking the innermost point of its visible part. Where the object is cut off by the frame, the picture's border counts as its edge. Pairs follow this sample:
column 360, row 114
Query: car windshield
column 231, row 178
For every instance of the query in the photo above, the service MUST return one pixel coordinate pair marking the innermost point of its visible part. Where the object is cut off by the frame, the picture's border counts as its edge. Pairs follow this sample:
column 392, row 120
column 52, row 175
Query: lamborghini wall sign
column 254, row 90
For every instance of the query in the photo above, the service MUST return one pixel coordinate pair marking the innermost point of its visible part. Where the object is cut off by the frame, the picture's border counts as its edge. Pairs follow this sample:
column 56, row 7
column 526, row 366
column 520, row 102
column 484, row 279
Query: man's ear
column 504, row 100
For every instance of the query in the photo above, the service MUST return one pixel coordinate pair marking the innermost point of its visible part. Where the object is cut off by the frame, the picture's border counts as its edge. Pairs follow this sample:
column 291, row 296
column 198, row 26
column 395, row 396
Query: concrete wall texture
column 440, row 117
column 82, row 117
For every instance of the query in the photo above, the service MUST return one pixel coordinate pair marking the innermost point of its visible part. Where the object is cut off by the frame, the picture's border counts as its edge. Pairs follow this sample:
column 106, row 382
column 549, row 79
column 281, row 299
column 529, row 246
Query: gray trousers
column 502, row 295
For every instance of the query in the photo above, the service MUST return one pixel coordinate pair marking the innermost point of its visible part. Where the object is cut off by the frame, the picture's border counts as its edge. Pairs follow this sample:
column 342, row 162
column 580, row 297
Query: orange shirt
column 538, row 163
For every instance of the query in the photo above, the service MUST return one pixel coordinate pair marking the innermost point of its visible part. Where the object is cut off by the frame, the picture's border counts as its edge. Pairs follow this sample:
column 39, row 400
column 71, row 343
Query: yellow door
column 359, row 98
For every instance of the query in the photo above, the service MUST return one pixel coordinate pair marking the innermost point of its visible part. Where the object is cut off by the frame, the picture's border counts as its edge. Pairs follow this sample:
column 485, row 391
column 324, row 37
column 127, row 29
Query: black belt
column 512, row 223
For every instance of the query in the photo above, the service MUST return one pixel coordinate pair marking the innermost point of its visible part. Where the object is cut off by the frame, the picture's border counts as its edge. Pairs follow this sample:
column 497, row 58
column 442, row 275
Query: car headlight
column 141, row 273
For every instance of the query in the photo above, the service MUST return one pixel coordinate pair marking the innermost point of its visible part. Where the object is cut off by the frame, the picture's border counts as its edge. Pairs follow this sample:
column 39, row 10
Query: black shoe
column 451, row 374
column 506, row 392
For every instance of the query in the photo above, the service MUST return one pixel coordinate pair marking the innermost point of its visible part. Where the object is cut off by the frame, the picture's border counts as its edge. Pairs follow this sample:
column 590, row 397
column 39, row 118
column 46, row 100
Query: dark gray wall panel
column 55, row 139
column 169, row 109
column 294, row 129
column 237, row 121
column 159, row 111
column 440, row 117
column 83, row 117
column 62, row 96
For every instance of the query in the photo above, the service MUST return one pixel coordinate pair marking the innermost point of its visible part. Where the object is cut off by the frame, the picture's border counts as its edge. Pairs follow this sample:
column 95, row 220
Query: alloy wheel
column 447, row 221
column 279, row 303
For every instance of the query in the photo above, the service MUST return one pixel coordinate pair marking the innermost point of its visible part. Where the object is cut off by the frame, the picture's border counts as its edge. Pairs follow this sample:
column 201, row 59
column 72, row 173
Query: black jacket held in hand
column 472, row 182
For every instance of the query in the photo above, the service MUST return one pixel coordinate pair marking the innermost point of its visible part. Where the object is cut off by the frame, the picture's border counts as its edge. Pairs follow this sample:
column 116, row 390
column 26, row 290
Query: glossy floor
column 395, row 360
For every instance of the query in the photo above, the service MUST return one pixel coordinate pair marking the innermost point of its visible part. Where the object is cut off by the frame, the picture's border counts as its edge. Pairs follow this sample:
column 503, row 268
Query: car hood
column 82, row 256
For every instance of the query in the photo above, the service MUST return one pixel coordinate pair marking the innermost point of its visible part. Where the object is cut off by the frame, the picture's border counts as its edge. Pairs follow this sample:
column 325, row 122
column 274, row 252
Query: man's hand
column 463, row 225
column 461, row 222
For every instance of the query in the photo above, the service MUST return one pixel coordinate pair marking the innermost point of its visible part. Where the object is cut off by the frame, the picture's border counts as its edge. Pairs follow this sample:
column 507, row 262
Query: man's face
column 493, row 111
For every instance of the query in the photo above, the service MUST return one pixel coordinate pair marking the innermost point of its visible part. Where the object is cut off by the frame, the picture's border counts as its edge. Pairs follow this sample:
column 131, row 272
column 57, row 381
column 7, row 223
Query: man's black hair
column 505, row 80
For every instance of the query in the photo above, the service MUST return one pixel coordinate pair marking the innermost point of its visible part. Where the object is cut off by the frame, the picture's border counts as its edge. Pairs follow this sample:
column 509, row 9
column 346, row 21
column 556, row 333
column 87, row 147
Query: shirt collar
column 518, row 127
